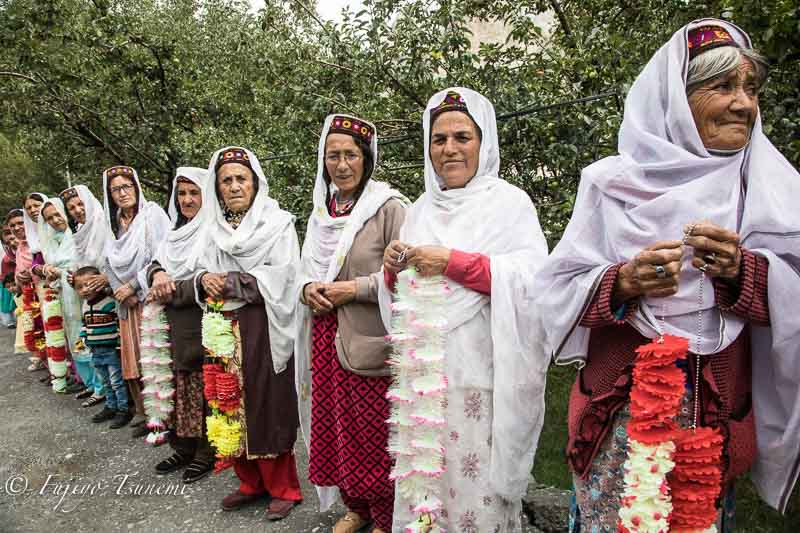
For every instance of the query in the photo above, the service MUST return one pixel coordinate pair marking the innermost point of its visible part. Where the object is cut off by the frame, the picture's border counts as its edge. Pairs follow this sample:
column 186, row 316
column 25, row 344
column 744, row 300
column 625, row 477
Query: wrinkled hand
column 716, row 250
column 429, row 260
column 392, row 256
column 163, row 287
column 340, row 292
column 213, row 284
column 315, row 297
column 25, row 275
column 639, row 277
column 124, row 292
column 51, row 273
column 131, row 301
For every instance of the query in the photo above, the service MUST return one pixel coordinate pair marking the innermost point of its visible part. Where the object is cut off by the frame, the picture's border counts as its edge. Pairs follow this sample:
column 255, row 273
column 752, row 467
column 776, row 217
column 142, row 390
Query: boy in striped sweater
column 100, row 332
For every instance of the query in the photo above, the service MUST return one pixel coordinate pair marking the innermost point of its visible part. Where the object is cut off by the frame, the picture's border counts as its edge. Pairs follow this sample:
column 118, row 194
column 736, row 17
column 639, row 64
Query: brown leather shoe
column 279, row 509
column 236, row 500
column 351, row 523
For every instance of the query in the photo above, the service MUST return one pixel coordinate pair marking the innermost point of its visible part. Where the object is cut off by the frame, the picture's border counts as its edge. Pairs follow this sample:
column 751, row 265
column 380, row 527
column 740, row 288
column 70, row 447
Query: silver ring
column 703, row 268
column 661, row 272
column 711, row 258
column 402, row 257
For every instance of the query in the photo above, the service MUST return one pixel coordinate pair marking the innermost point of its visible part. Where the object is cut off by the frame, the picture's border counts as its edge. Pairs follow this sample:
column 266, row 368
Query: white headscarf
column 663, row 179
column 91, row 236
column 327, row 243
column 31, row 227
column 131, row 253
column 178, row 254
column 265, row 246
column 495, row 218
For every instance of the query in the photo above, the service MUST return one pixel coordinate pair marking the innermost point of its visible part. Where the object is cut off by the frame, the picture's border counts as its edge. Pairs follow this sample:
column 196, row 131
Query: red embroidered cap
column 706, row 38
column 352, row 126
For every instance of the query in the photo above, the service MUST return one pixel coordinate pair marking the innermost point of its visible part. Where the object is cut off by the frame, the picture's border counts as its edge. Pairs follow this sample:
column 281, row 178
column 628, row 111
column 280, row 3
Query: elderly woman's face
column 54, row 218
column 455, row 148
column 76, row 209
column 32, row 206
column 235, row 184
column 344, row 162
column 190, row 199
column 725, row 108
column 123, row 192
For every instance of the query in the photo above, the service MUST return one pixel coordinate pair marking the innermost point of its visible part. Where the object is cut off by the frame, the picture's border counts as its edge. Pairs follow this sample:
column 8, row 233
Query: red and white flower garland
column 672, row 475
column 55, row 340
column 156, row 359
column 33, row 333
column 417, row 395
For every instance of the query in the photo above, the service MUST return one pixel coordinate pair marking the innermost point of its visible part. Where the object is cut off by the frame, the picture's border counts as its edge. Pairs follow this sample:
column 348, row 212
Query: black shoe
column 72, row 388
column 85, row 393
column 172, row 463
column 105, row 414
column 197, row 470
column 121, row 418
column 139, row 431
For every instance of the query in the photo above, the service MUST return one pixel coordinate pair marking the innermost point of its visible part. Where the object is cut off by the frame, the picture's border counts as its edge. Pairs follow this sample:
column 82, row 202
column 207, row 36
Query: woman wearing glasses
column 137, row 229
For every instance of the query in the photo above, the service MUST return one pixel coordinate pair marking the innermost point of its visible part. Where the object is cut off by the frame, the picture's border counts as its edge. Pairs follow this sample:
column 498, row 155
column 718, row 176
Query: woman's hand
column 213, row 284
column 654, row 272
column 716, row 250
column 429, row 260
column 163, row 287
column 124, row 292
column 340, row 293
column 71, row 279
column 97, row 282
column 315, row 297
column 395, row 256
column 25, row 276
column 131, row 301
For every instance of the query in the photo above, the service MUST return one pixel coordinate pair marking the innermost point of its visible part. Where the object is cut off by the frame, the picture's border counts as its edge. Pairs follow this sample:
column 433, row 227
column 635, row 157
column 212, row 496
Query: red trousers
column 277, row 476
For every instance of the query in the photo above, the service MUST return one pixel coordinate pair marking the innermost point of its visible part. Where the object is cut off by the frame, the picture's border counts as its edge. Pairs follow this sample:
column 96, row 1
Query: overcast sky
column 328, row 9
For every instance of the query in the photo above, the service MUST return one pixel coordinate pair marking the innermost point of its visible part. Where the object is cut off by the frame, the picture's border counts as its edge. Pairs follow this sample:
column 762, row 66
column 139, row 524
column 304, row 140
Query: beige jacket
column 360, row 338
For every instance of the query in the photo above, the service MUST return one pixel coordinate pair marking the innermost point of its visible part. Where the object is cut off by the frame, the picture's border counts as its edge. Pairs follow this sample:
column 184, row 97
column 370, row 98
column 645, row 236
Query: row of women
column 689, row 232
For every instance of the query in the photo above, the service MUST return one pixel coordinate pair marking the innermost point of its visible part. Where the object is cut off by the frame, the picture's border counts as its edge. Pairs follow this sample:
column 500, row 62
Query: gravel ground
column 61, row 472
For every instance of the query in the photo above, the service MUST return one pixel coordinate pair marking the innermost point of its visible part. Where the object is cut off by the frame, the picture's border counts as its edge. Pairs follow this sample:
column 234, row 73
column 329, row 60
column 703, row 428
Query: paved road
column 60, row 472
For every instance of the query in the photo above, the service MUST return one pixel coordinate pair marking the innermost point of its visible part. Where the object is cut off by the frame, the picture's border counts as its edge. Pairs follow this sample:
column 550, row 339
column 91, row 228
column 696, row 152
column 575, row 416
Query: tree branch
column 562, row 19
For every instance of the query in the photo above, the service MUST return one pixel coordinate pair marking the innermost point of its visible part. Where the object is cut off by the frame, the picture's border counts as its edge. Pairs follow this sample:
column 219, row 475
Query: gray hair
column 721, row 61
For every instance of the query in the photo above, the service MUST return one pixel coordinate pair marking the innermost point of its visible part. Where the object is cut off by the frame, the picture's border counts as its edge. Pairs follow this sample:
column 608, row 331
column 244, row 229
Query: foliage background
column 156, row 84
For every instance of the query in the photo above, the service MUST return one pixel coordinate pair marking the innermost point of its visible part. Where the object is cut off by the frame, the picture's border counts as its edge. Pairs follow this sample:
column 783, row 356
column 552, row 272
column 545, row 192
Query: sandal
column 197, row 470
column 172, row 463
column 94, row 400
column 351, row 523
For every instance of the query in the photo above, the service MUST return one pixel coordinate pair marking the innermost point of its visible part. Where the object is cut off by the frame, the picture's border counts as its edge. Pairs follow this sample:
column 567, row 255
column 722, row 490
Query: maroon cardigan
column 603, row 385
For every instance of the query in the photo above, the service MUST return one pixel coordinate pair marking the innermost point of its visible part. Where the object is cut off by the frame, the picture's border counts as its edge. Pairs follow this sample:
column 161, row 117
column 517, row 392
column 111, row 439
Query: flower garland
column 55, row 339
column 221, row 387
column 672, row 475
column 417, row 394
column 156, row 359
column 33, row 334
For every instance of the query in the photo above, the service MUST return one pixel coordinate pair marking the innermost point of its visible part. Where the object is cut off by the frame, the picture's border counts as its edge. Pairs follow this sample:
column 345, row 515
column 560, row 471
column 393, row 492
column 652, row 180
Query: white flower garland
column 156, row 360
column 417, row 394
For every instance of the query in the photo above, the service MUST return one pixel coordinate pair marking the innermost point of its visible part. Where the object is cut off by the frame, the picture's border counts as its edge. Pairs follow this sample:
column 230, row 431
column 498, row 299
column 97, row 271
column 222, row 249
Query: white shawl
column 91, row 236
column 265, row 246
column 327, row 243
column 179, row 252
column 32, row 228
column 492, row 217
column 663, row 179
column 129, row 255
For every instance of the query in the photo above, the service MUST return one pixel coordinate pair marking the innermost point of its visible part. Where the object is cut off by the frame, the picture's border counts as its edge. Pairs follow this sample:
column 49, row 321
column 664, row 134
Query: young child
column 101, row 334
column 10, row 284
column 7, row 305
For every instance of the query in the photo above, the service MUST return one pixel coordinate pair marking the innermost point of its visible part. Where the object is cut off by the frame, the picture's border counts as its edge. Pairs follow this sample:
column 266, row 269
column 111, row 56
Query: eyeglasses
column 334, row 157
column 127, row 188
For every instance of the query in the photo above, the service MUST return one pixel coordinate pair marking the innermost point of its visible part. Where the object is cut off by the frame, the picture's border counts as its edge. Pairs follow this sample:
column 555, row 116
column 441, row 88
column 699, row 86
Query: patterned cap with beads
column 233, row 155
column 120, row 170
column 452, row 102
column 67, row 194
column 352, row 126
column 705, row 38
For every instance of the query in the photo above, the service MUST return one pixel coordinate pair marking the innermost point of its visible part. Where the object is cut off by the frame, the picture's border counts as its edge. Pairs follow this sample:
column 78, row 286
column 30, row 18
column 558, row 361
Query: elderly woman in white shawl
column 250, row 261
column 343, row 414
column 138, row 227
column 171, row 281
column 689, row 231
column 483, row 234
column 27, row 255
column 58, row 251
